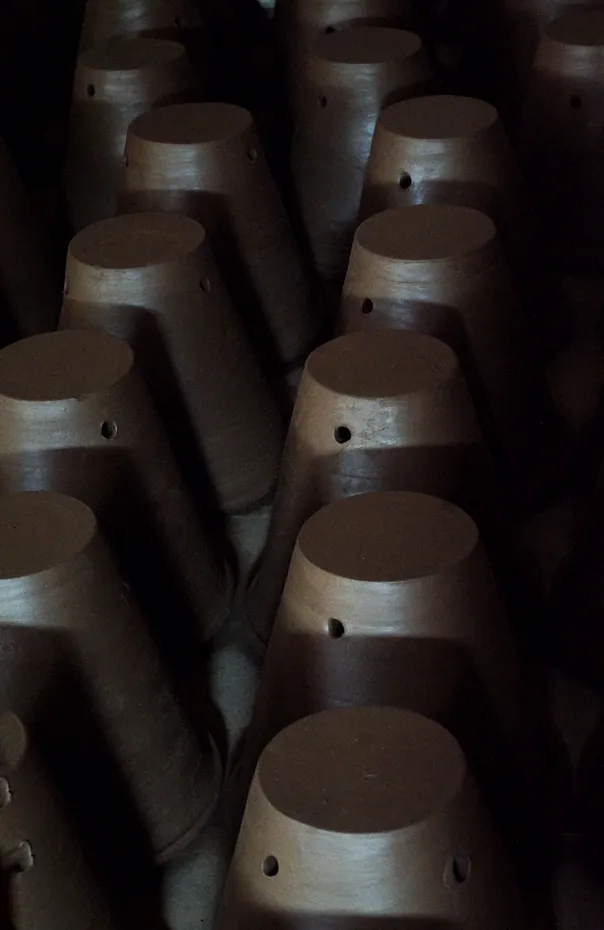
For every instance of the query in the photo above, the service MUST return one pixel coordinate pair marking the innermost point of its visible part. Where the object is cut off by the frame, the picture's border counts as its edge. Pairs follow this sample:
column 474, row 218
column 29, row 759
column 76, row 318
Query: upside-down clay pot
column 46, row 879
column 76, row 418
column 440, row 269
column 114, row 83
column 151, row 279
column 390, row 599
column 384, row 410
column 171, row 19
column 519, row 27
column 57, row 573
column 453, row 150
column 562, row 137
column 365, row 817
column 205, row 160
column 28, row 283
column 349, row 78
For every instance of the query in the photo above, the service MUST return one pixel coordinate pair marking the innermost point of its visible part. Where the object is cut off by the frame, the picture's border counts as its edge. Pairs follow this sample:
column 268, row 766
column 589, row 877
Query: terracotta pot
column 46, row 878
column 170, row 19
column 75, row 418
column 440, row 270
column 151, row 279
column 57, row 573
column 520, row 25
column 350, row 77
column 27, row 280
column 453, row 150
column 365, row 817
column 114, row 83
column 205, row 160
column 301, row 22
column 375, row 411
column 390, row 599
column 562, row 137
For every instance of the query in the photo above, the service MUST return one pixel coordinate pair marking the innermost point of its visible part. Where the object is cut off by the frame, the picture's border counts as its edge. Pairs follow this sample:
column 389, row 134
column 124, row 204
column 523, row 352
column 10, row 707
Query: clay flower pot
column 367, row 816
column 170, row 19
column 29, row 285
column 43, row 872
column 75, row 418
column 441, row 270
column 562, row 137
column 114, row 83
column 151, row 279
column 453, row 150
column 205, row 160
column 56, row 573
column 382, row 410
column 349, row 78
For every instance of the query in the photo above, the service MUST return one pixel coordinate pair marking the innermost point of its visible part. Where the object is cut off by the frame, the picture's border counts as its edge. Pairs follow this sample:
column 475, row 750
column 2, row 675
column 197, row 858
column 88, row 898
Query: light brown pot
column 440, row 269
column 114, row 83
column 453, row 150
column 349, row 78
column 382, row 410
column 56, row 573
column 205, row 160
column 562, row 137
column 29, row 285
column 151, row 279
column 43, row 871
column 365, row 817
column 75, row 418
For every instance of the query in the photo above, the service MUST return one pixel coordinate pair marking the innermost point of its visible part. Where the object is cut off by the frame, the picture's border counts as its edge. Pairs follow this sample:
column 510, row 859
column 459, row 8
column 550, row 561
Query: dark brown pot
column 43, row 872
column 562, row 137
column 151, row 279
column 382, row 410
column 75, row 418
column 453, row 150
column 205, row 160
column 114, row 83
column 31, row 289
column 441, row 270
column 350, row 77
column 365, row 817
column 56, row 573
column 172, row 19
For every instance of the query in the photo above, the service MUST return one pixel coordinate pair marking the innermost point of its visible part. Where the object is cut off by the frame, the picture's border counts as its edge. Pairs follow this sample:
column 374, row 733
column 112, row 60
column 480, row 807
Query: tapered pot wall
column 350, row 77
column 151, row 279
column 561, row 137
column 365, row 816
column 375, row 411
column 77, row 419
column 453, row 150
column 114, row 83
column 43, row 872
column 57, row 574
column 29, row 285
column 441, row 270
column 205, row 160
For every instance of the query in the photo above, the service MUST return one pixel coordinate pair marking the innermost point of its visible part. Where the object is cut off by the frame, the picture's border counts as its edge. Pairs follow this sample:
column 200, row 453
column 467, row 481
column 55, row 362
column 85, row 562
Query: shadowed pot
column 75, row 418
column 151, row 279
column 365, row 817
column 390, row 600
column 205, row 160
column 56, row 573
column 562, row 137
column 31, row 289
column 519, row 26
column 43, row 872
column 114, row 83
column 441, row 270
column 301, row 22
column 375, row 411
column 349, row 78
column 453, row 150
column 170, row 19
